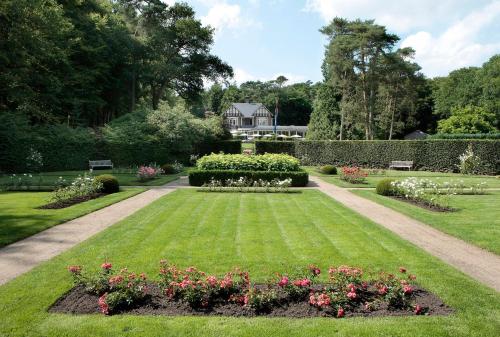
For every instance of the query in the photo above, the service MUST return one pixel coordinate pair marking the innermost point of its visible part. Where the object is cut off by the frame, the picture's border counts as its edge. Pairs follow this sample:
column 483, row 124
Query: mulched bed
column 77, row 301
column 424, row 205
column 72, row 201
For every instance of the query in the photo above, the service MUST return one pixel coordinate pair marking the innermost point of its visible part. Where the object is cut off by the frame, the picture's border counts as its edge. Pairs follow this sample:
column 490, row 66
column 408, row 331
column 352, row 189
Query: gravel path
column 471, row 260
column 22, row 256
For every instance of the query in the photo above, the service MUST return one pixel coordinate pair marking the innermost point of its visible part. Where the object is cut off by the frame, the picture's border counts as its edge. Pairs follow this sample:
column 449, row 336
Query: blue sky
column 263, row 39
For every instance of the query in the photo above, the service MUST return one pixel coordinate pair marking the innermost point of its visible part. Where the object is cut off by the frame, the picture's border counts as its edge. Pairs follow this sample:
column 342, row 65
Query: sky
column 262, row 39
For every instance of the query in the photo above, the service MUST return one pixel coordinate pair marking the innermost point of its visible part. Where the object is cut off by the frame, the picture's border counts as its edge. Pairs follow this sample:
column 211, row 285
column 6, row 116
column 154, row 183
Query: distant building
column 416, row 135
column 255, row 120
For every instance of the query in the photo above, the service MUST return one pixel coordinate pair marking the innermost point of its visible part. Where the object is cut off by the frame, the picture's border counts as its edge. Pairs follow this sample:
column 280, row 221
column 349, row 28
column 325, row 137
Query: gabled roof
column 248, row 109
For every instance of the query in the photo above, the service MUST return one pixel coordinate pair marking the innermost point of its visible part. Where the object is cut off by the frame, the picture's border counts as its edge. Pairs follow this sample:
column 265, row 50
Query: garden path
column 478, row 263
column 22, row 256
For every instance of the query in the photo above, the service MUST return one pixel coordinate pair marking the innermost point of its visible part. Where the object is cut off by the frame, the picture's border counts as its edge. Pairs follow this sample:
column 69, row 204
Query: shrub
column 353, row 175
column 201, row 177
column 469, row 162
column 109, row 183
column 328, row 169
column 431, row 155
column 266, row 162
column 384, row 187
column 146, row 173
column 81, row 186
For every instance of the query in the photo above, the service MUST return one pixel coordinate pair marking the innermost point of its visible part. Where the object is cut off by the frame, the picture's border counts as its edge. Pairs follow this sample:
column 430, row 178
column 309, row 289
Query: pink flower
column 115, row 280
column 323, row 300
column 283, row 282
column 314, row 270
column 103, row 305
column 75, row 269
column 340, row 312
column 185, row 283
column 302, row 283
column 402, row 270
column 227, row 282
column 190, row 269
column 407, row 290
column 212, row 281
column 312, row 299
column 106, row 266
column 352, row 295
column 383, row 290
column 418, row 309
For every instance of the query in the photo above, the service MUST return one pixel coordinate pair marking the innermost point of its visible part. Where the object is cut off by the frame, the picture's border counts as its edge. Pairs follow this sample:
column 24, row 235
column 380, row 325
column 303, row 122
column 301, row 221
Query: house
column 416, row 135
column 254, row 120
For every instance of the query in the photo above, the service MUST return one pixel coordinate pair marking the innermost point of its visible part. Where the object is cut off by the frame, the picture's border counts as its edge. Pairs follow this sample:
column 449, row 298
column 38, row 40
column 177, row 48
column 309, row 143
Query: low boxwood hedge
column 431, row 155
column 200, row 177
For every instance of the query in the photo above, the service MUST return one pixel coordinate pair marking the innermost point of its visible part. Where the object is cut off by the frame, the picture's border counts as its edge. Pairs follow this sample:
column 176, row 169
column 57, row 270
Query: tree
column 177, row 49
column 325, row 118
column 469, row 119
column 212, row 98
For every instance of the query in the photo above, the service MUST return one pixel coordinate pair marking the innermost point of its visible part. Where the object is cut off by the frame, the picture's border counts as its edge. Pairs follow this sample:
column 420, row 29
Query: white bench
column 100, row 163
column 401, row 164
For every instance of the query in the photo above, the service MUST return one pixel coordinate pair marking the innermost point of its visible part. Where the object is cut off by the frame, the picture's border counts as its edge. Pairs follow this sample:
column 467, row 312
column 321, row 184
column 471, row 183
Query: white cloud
column 223, row 16
column 458, row 46
column 240, row 76
column 398, row 15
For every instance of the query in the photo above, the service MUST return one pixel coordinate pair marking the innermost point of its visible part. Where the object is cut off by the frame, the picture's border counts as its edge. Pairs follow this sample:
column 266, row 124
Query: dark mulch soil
column 424, row 205
column 72, row 201
column 77, row 301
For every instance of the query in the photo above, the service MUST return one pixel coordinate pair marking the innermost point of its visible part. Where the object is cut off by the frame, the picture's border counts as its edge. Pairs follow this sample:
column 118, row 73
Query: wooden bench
column 401, row 164
column 100, row 163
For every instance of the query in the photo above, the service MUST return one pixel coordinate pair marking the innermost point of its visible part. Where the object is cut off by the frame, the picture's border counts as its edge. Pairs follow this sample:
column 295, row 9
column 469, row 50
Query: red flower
column 75, row 269
column 302, row 283
column 407, row 290
column 402, row 270
column 115, row 280
column 212, row 281
column 323, row 300
column 103, row 305
column 340, row 312
column 106, row 266
column 418, row 309
column 283, row 282
column 314, row 270
column 383, row 290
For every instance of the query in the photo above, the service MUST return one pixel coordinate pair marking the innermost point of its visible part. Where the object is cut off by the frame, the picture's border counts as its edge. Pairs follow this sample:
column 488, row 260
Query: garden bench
column 100, row 163
column 401, row 164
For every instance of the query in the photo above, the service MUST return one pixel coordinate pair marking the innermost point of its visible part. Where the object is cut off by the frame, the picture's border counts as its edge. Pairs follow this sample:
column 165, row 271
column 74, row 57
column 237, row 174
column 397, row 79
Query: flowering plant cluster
column 25, row 181
column 115, row 290
column 346, row 289
column 469, row 162
column 247, row 185
column 353, row 175
column 145, row 173
column 34, row 161
column 81, row 186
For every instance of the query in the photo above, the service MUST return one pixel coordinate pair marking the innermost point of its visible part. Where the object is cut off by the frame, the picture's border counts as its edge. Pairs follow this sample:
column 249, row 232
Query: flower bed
column 247, row 185
column 177, row 291
column 201, row 177
column 145, row 173
column 353, row 175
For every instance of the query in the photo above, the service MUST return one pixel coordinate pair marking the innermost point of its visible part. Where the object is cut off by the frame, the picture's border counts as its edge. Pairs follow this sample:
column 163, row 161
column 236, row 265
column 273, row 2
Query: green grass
column 372, row 180
column 19, row 217
column 262, row 233
column 476, row 220
column 248, row 146
column 125, row 179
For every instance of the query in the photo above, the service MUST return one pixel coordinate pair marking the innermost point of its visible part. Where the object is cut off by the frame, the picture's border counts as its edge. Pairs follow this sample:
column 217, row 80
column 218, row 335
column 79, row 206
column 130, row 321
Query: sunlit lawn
column 19, row 216
column 262, row 233
column 373, row 179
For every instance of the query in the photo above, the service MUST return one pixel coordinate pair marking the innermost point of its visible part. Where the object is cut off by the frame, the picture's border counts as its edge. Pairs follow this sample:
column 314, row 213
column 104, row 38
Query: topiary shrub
column 109, row 183
column 328, row 169
column 384, row 187
column 168, row 169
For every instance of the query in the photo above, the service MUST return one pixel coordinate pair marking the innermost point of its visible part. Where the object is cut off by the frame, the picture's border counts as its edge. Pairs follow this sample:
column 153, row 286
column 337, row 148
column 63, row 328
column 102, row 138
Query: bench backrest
column 401, row 163
column 106, row 162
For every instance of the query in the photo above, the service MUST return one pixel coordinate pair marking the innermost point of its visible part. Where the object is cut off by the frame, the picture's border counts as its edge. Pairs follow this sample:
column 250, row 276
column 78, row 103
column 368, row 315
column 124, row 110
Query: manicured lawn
column 19, row 217
column 372, row 180
column 476, row 220
column 262, row 233
column 248, row 146
column 125, row 179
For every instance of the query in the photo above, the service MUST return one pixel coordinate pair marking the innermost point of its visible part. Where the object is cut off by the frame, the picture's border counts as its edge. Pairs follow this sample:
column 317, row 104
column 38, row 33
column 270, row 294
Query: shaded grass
column 125, row 179
column 373, row 179
column 262, row 233
column 476, row 219
column 19, row 217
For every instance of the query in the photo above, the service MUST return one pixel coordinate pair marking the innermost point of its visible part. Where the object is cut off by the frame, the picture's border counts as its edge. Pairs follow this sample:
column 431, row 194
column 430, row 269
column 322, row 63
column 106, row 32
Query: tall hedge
column 266, row 146
column 432, row 155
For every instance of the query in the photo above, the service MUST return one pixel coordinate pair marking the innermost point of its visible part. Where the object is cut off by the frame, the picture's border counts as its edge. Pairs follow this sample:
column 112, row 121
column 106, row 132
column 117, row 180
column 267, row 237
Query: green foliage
column 469, row 119
column 469, row 162
column 325, row 118
column 384, row 187
column 265, row 162
column 328, row 169
column 201, row 177
column 465, row 136
column 225, row 146
column 109, row 183
column 431, row 155
column 267, row 146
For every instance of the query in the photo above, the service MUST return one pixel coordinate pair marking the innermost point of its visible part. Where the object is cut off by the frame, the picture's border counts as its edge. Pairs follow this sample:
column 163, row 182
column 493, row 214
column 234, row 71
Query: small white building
column 254, row 120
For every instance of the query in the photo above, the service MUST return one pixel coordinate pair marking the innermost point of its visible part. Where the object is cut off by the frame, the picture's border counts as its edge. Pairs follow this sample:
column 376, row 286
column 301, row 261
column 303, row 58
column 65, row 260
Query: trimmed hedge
column 109, row 183
column 465, row 136
column 430, row 155
column 328, row 169
column 200, row 177
column 267, row 146
column 241, row 162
